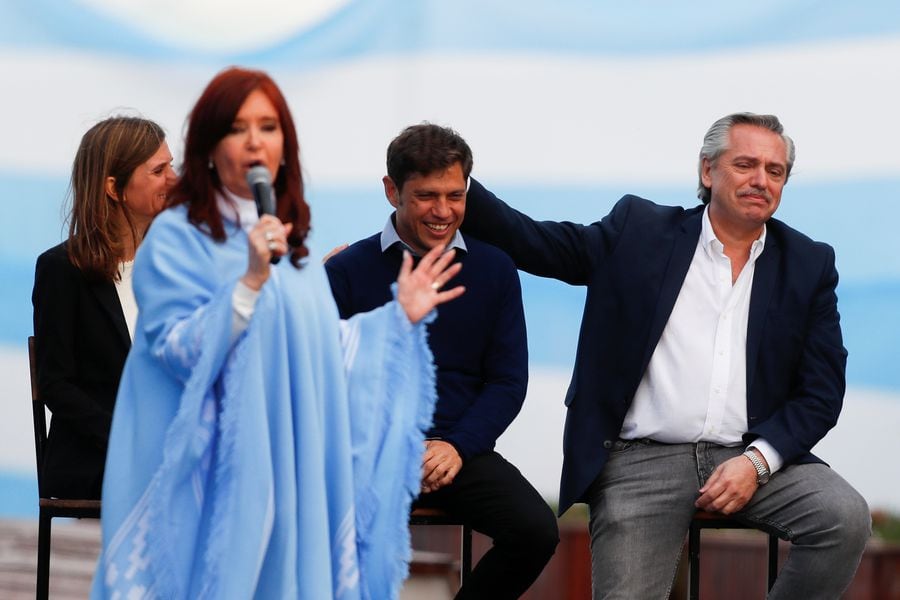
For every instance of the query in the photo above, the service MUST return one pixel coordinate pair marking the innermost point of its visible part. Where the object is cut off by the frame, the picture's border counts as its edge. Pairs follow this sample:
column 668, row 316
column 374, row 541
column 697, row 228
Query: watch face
column 763, row 479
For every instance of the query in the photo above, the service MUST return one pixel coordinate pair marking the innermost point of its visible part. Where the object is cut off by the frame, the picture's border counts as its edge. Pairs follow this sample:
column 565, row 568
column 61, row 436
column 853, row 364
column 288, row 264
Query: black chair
column 436, row 516
column 49, row 507
column 706, row 520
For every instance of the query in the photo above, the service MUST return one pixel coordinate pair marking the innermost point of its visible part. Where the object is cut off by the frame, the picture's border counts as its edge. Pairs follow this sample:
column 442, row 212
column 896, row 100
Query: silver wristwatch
column 762, row 471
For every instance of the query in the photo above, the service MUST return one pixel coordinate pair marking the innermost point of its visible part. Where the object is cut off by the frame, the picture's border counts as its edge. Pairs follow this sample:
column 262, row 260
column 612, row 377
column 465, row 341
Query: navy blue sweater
column 478, row 340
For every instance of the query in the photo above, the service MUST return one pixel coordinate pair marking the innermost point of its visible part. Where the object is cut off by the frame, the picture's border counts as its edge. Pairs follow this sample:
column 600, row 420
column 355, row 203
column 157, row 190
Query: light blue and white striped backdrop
column 568, row 104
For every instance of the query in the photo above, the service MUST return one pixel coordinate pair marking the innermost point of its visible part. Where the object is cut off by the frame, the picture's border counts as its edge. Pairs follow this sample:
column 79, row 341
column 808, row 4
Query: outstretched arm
column 560, row 250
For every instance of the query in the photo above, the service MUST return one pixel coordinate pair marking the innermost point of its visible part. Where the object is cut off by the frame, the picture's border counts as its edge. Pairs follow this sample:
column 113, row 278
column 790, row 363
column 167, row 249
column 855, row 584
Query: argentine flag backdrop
column 567, row 104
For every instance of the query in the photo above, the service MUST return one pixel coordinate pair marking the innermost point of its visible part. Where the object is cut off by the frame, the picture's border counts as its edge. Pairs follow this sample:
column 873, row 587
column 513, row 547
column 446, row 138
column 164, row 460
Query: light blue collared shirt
column 389, row 237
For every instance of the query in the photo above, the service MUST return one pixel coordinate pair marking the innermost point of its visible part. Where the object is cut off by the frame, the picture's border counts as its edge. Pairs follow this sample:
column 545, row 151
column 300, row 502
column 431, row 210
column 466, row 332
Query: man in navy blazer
column 710, row 362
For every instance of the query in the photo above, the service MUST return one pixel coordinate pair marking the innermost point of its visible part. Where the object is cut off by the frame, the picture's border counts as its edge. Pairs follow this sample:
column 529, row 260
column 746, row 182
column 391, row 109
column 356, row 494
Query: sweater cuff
column 456, row 447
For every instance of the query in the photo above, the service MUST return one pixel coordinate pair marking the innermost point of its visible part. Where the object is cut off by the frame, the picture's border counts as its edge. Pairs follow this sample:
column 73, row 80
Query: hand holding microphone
column 269, row 235
column 260, row 183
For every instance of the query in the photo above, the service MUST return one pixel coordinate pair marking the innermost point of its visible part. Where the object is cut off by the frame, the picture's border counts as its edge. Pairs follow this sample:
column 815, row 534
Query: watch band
column 762, row 472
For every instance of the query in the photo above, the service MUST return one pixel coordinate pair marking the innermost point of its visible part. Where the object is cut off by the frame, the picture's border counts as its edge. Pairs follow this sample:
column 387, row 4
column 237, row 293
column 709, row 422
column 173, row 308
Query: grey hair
column 715, row 143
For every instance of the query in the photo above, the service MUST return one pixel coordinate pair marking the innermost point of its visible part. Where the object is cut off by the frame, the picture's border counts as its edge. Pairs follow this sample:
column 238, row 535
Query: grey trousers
column 642, row 504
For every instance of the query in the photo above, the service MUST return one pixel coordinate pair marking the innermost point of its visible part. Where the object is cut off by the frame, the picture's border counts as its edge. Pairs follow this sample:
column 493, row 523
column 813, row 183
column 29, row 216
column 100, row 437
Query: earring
column 211, row 165
column 282, row 161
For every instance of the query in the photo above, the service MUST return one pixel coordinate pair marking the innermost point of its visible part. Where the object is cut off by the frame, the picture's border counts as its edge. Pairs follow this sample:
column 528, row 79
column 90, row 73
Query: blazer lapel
column 765, row 274
column 108, row 298
column 683, row 249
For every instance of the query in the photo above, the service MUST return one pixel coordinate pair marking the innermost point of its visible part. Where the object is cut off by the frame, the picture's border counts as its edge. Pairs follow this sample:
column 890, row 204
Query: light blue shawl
column 278, row 465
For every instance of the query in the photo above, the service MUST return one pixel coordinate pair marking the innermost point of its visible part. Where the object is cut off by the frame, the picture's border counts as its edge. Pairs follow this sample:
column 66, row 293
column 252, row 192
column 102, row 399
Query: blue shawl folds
column 280, row 464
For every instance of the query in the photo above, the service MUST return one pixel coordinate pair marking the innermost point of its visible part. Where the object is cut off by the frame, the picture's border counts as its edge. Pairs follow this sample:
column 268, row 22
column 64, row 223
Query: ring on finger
column 269, row 235
column 272, row 245
column 435, row 285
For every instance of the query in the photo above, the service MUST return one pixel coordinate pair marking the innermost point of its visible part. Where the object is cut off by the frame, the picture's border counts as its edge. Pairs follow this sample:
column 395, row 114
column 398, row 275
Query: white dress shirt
column 125, row 291
column 695, row 386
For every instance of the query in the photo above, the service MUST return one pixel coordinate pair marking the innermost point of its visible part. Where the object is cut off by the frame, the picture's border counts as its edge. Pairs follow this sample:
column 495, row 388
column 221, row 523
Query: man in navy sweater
column 480, row 350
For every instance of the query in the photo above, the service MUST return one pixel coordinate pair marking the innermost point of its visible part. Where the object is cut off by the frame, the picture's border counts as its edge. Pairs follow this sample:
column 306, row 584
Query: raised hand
column 268, row 238
column 419, row 289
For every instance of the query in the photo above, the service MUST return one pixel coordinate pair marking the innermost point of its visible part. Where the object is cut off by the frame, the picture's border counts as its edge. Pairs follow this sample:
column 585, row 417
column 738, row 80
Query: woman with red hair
column 260, row 447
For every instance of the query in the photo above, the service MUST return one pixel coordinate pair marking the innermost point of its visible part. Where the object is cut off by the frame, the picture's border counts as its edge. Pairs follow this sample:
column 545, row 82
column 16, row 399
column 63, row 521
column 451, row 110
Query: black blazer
column 633, row 263
column 81, row 341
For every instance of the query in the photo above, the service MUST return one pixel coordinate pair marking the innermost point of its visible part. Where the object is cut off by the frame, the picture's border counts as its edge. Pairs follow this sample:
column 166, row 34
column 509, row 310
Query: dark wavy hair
column 210, row 121
column 425, row 148
column 114, row 147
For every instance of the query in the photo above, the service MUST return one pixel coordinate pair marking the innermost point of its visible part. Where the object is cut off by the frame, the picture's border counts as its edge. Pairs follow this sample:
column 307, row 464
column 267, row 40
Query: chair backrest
column 38, row 412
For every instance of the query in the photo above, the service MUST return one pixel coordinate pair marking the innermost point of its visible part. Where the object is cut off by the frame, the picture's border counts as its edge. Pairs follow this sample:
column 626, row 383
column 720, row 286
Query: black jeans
column 492, row 496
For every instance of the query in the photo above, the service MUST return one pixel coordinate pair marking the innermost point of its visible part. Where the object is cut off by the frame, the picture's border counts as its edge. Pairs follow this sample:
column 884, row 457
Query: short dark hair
column 715, row 143
column 425, row 148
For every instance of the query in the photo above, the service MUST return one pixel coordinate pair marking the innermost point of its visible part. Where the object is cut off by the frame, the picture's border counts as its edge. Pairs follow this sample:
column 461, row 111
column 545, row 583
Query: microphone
column 260, row 183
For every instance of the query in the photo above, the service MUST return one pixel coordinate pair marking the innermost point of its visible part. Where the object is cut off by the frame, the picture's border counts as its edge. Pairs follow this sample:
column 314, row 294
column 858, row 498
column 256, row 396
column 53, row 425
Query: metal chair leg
column 694, row 554
column 773, row 559
column 43, row 562
column 694, row 562
column 465, row 554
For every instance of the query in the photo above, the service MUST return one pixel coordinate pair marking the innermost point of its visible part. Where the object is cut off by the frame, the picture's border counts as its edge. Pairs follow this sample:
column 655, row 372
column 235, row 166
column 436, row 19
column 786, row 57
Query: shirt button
column 607, row 444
